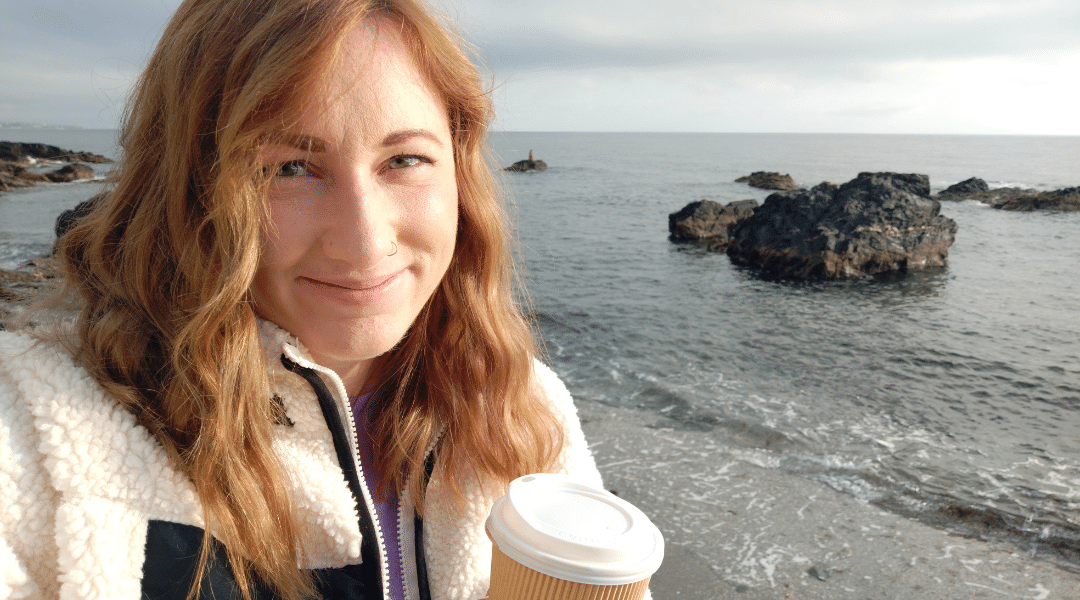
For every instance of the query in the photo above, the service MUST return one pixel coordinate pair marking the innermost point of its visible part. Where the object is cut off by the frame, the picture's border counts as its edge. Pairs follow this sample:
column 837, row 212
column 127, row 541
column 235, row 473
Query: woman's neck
column 353, row 373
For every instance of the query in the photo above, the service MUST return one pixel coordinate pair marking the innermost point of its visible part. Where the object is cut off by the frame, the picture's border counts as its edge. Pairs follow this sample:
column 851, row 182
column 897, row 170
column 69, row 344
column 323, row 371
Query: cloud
column 783, row 34
column 71, row 62
column 679, row 65
column 102, row 27
column 966, row 96
column 949, row 66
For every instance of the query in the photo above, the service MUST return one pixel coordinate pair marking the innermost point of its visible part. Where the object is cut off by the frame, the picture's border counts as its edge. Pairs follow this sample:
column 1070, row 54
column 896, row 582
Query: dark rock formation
column 709, row 222
column 70, row 217
column 1067, row 199
column 768, row 181
column 875, row 223
column 14, row 175
column 529, row 164
column 72, row 172
column 966, row 187
column 21, row 152
column 1011, row 198
column 15, row 157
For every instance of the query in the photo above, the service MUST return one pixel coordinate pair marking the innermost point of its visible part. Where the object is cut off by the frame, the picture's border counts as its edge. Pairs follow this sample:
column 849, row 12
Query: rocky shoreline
column 18, row 161
column 19, row 287
column 20, row 167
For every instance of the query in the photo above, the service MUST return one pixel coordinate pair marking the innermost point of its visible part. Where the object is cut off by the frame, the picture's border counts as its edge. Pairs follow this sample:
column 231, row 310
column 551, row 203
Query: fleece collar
column 276, row 342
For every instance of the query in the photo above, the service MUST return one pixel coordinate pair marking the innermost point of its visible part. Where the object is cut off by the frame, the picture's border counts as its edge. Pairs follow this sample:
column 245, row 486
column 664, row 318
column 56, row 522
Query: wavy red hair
column 163, row 266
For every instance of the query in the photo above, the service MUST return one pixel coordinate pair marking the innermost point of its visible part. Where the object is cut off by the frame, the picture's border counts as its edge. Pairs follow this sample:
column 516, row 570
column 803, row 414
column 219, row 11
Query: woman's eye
column 401, row 162
column 293, row 168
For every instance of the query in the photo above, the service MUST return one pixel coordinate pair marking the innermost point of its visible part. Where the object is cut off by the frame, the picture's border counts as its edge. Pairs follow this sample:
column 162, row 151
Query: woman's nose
column 359, row 224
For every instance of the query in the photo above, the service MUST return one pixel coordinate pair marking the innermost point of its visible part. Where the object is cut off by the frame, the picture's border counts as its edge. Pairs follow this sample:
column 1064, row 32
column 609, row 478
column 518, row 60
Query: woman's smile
column 361, row 294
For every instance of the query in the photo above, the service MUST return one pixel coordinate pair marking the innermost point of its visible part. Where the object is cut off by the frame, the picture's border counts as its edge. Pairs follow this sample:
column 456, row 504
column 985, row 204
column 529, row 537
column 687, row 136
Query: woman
column 297, row 367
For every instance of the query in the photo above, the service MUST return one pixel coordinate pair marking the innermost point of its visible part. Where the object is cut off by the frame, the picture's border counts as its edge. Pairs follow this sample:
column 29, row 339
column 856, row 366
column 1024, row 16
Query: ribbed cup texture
column 511, row 580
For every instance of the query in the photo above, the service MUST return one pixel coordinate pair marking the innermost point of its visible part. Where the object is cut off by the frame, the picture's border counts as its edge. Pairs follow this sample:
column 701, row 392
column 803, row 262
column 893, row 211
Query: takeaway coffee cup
column 557, row 539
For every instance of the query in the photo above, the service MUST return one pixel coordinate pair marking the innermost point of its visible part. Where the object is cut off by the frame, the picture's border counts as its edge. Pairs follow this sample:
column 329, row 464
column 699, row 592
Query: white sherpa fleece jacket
column 81, row 484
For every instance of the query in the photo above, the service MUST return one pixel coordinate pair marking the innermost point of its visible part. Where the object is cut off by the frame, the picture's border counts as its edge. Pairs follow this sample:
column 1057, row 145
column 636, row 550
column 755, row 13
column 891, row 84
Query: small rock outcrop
column 69, row 218
column 1012, row 198
column 965, row 188
column 768, row 181
column 875, row 223
column 1067, row 199
column 529, row 164
column 14, row 175
column 708, row 222
column 72, row 172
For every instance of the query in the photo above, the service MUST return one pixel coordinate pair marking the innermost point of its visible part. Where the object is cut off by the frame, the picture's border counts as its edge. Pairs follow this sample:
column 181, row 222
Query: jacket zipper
column 297, row 364
column 404, row 502
column 369, row 506
column 345, row 417
column 401, row 550
column 369, row 502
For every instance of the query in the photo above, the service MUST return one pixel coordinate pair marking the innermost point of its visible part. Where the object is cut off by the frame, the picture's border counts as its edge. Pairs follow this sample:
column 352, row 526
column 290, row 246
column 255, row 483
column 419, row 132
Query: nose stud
column 395, row 248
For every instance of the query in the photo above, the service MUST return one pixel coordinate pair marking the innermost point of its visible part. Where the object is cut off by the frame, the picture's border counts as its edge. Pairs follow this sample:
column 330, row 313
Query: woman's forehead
column 373, row 87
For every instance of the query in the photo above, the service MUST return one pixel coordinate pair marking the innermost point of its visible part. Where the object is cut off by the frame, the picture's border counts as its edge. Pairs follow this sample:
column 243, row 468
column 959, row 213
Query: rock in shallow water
column 709, row 222
column 1011, row 198
column 69, row 173
column 966, row 187
column 529, row 164
column 876, row 223
column 818, row 573
column 768, row 181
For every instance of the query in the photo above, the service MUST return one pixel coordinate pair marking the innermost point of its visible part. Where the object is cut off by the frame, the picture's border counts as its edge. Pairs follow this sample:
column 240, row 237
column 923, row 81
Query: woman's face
column 362, row 209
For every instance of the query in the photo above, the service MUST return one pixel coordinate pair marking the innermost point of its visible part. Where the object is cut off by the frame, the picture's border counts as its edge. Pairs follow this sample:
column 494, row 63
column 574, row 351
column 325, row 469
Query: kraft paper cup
column 557, row 539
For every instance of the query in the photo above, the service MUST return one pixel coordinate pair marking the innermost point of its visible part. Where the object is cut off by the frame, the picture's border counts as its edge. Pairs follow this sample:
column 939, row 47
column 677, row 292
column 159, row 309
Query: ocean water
column 950, row 397
column 28, row 215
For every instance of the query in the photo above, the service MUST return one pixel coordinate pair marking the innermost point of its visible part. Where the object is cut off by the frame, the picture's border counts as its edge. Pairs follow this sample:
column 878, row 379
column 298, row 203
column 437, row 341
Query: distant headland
column 19, row 125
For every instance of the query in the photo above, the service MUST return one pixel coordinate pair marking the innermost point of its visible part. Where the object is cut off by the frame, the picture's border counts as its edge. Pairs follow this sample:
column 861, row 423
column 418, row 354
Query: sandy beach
column 745, row 532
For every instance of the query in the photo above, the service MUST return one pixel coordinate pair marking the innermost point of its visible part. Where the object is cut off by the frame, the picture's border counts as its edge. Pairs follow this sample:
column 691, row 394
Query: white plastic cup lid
column 575, row 532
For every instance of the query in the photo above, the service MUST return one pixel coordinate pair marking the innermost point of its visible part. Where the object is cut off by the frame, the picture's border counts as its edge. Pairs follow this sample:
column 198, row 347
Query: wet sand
column 736, row 530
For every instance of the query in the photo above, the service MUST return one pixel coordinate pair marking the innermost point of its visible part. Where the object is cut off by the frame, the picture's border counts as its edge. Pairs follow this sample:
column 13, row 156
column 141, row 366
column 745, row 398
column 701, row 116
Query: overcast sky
column 865, row 66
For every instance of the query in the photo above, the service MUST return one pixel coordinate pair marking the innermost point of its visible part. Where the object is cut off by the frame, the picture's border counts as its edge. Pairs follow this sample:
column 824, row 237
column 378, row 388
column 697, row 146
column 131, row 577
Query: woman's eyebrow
column 405, row 135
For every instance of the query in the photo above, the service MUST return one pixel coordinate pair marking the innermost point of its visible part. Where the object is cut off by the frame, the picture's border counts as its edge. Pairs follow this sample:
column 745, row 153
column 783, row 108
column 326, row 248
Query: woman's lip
column 352, row 285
